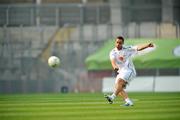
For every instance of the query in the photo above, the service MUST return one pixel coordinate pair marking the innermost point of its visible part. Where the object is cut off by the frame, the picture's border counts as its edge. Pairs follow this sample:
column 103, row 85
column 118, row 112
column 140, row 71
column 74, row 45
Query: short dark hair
column 121, row 38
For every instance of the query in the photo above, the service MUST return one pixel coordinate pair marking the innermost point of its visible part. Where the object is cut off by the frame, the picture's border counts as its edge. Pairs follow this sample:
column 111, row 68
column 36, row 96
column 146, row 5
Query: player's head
column 119, row 42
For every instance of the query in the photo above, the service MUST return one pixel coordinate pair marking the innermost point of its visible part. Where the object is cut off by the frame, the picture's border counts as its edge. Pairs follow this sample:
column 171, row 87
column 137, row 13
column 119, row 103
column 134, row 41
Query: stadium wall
column 146, row 84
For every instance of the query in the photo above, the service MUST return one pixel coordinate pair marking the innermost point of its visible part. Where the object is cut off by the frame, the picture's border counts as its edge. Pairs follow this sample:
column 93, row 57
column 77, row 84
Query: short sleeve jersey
column 123, row 57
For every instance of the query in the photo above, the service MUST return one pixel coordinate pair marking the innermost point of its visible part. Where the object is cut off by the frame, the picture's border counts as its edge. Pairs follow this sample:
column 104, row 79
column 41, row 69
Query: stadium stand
column 72, row 29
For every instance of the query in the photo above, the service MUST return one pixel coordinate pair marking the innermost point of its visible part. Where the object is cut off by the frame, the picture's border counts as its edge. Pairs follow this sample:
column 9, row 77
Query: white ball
column 53, row 61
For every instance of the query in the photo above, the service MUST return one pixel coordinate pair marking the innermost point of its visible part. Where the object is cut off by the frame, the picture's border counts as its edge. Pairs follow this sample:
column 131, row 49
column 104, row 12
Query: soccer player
column 123, row 67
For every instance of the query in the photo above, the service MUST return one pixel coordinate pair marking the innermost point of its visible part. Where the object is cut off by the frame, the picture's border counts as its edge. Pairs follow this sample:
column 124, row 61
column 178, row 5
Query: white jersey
column 123, row 58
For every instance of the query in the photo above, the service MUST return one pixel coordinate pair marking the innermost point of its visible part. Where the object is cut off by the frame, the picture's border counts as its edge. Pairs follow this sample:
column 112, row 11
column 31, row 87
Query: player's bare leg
column 119, row 90
column 125, row 97
column 123, row 94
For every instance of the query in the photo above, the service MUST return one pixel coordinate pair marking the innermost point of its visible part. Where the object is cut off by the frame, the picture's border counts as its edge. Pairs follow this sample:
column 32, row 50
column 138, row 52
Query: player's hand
column 116, row 71
column 150, row 45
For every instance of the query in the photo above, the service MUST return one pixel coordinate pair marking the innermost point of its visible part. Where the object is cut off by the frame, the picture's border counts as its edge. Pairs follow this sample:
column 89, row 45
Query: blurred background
column 33, row 30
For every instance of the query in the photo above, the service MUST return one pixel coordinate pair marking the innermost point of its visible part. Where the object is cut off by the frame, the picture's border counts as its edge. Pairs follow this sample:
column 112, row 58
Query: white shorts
column 125, row 74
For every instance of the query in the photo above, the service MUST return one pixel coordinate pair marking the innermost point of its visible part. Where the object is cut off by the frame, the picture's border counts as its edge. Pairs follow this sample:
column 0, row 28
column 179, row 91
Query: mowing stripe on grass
column 151, row 106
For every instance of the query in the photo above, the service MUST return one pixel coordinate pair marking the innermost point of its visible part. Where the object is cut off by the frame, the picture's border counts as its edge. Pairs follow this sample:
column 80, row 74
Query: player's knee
column 121, row 83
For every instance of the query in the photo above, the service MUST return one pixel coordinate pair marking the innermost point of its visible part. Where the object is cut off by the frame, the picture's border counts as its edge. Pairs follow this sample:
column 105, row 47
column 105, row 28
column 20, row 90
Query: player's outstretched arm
column 144, row 46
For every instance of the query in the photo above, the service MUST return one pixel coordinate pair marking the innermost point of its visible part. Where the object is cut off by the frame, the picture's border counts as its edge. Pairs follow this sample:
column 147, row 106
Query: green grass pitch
column 89, row 106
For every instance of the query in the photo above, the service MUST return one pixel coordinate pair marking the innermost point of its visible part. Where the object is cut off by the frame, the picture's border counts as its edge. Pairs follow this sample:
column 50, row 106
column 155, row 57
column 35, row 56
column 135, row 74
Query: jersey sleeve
column 134, row 47
column 112, row 55
column 132, row 50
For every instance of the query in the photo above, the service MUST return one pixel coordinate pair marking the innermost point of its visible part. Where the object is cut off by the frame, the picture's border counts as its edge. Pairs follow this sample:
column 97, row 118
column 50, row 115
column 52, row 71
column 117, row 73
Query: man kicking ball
column 124, row 69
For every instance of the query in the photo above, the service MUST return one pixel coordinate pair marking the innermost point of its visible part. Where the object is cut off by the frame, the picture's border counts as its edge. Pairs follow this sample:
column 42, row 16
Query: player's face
column 119, row 43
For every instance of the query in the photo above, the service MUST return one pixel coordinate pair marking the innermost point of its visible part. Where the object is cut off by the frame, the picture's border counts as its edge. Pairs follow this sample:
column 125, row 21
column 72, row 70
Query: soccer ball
column 53, row 61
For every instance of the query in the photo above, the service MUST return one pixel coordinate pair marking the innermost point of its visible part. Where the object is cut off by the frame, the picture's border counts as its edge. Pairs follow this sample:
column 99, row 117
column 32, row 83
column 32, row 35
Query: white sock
column 113, row 96
column 128, row 101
